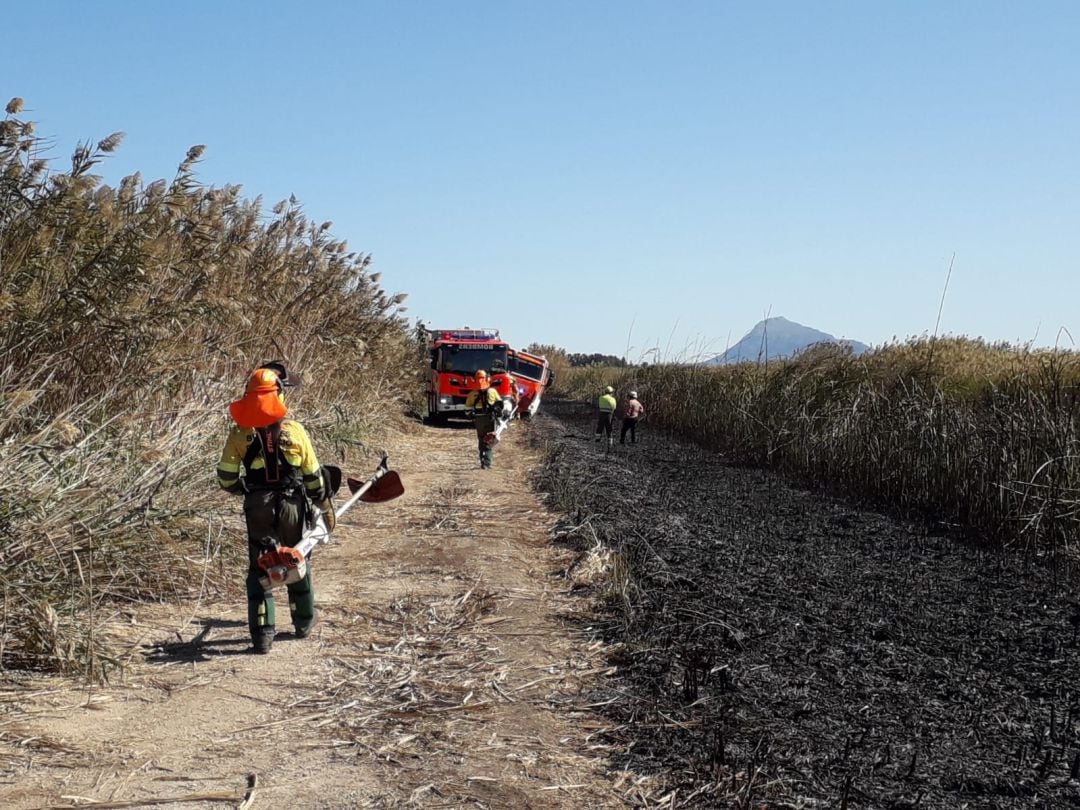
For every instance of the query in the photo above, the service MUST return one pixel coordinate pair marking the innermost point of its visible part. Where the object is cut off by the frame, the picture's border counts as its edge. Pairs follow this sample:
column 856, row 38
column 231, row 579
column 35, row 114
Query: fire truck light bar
column 466, row 334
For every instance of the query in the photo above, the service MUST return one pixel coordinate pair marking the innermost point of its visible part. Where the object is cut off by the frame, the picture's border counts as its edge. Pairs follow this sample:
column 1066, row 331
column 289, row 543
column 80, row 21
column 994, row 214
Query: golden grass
column 129, row 317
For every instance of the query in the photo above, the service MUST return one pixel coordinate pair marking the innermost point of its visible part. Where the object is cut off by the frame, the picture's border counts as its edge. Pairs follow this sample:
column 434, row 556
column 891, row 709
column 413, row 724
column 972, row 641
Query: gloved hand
column 239, row 487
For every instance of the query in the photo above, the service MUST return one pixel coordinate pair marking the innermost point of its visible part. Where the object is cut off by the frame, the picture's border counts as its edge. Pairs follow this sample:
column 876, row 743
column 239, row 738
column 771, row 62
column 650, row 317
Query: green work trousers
column 275, row 516
column 485, row 424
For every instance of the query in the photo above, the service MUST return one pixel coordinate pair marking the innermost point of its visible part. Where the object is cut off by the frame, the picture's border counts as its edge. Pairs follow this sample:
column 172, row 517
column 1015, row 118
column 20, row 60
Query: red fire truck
column 533, row 376
column 455, row 356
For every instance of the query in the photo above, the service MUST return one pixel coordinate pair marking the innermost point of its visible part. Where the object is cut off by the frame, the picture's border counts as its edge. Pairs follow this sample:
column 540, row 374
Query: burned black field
column 780, row 648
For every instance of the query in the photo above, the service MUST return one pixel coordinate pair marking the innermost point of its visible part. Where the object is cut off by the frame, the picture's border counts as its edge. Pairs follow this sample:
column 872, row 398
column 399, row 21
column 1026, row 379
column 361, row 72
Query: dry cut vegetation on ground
column 129, row 317
column 445, row 672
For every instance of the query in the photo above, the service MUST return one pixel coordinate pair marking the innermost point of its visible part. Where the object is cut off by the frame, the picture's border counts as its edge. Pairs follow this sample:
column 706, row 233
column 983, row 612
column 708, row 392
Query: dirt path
column 444, row 672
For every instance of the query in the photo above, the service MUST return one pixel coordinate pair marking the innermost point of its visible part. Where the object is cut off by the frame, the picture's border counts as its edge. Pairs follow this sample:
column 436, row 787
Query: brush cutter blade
column 387, row 487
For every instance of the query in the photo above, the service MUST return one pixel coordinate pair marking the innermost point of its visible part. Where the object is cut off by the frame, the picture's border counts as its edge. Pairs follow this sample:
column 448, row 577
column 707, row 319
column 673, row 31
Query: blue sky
column 598, row 175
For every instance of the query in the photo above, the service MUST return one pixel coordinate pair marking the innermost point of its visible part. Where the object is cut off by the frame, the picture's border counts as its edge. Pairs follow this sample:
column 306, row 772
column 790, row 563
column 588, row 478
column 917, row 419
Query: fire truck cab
column 533, row 375
column 455, row 355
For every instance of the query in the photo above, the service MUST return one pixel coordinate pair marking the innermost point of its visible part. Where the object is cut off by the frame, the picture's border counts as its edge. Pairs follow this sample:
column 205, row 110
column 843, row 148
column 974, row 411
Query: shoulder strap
column 254, row 448
column 267, row 442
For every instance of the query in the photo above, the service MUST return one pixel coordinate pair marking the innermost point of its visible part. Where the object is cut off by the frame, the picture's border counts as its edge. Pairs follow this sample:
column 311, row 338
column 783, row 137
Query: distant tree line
column 557, row 356
column 596, row 359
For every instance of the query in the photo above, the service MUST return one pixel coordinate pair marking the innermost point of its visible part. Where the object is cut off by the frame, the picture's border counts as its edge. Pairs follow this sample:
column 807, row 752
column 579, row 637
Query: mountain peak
column 776, row 338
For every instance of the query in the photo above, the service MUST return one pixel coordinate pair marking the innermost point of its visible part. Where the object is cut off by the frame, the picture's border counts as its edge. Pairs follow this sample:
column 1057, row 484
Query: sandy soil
column 449, row 669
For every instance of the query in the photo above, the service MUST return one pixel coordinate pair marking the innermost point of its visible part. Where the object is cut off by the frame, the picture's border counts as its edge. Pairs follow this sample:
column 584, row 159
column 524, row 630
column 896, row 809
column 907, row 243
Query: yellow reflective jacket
column 486, row 399
column 296, row 450
column 606, row 403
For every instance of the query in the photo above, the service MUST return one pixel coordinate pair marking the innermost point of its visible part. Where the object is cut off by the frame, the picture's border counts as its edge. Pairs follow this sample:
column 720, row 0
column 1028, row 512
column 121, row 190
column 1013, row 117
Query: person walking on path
column 270, row 461
column 606, row 406
column 483, row 403
column 632, row 414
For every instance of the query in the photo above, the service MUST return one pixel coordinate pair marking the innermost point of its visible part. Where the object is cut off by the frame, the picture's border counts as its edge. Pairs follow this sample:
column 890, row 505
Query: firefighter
column 632, row 414
column 483, row 403
column 270, row 461
column 605, row 405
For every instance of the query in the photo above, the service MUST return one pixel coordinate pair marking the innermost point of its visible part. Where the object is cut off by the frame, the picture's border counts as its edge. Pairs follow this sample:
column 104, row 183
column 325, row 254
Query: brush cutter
column 503, row 419
column 285, row 565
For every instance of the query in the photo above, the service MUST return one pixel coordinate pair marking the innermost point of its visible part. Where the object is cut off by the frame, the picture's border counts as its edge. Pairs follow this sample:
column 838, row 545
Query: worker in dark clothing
column 633, row 413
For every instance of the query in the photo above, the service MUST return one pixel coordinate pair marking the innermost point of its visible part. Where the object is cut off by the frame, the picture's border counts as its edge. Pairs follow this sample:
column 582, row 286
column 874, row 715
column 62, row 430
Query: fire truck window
column 469, row 361
column 524, row 368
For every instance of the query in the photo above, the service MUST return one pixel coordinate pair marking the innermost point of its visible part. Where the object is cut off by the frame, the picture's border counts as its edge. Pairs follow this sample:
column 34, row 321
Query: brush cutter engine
column 285, row 565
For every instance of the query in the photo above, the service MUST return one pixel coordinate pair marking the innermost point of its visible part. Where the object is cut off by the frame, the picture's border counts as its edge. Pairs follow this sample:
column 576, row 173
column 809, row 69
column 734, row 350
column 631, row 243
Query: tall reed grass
column 129, row 317
column 982, row 438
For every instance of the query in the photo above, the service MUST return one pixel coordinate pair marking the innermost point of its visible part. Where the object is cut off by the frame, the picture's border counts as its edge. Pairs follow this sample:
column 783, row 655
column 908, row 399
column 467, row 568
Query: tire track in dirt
column 443, row 672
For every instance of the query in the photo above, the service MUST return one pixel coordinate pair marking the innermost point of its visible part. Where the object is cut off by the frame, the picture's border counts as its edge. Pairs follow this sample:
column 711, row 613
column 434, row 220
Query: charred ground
column 782, row 647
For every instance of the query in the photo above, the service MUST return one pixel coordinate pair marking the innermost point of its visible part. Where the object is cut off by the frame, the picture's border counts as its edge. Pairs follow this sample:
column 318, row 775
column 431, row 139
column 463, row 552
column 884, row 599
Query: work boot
column 302, row 628
column 262, row 642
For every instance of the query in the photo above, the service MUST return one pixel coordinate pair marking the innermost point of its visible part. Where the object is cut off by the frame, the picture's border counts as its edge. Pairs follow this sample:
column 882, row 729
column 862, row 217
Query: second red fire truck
column 533, row 375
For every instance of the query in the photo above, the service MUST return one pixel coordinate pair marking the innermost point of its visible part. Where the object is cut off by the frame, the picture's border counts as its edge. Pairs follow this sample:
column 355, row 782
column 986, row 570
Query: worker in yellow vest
column 269, row 460
column 482, row 404
column 606, row 406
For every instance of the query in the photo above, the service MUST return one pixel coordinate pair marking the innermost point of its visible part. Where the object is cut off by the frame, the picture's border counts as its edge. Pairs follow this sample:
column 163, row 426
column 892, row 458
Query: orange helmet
column 262, row 404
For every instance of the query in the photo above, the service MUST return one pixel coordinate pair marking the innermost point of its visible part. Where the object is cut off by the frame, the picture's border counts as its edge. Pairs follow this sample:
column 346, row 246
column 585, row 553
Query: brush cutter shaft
column 502, row 424
column 285, row 565
column 345, row 507
column 320, row 532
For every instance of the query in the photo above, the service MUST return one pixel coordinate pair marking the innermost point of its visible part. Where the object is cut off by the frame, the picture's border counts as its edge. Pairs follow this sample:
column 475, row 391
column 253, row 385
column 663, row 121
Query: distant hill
column 783, row 338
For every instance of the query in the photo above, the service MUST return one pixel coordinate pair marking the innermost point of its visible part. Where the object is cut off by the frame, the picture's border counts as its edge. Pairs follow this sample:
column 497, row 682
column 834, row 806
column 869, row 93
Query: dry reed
column 128, row 319
column 980, row 438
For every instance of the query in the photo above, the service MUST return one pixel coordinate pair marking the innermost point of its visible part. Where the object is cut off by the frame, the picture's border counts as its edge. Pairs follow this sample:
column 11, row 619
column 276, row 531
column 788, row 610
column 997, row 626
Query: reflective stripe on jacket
column 606, row 403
